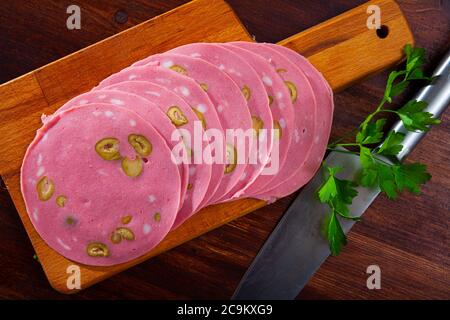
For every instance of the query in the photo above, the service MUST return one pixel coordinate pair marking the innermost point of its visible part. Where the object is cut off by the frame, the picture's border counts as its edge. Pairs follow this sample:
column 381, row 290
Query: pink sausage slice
column 166, row 100
column 195, row 178
column 230, row 104
column 87, row 208
column 191, row 91
column 257, row 98
column 185, row 87
column 305, row 108
column 324, row 98
column 282, row 112
column 145, row 109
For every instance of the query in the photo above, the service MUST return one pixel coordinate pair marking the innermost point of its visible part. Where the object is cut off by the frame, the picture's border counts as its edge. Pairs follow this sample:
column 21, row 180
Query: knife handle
column 437, row 95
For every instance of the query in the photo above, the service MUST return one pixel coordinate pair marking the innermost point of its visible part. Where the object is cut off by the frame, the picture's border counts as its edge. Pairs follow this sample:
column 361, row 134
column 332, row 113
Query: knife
column 296, row 248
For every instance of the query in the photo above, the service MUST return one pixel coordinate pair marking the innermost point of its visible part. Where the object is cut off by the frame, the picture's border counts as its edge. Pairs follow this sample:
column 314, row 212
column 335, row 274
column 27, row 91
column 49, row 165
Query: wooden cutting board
column 344, row 49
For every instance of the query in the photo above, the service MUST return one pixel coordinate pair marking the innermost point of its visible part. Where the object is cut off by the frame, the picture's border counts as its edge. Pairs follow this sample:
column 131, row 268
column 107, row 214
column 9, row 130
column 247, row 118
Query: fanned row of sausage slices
column 100, row 182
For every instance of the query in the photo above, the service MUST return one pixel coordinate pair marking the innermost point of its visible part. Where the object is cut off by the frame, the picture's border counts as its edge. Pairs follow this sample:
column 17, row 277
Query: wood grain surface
column 408, row 238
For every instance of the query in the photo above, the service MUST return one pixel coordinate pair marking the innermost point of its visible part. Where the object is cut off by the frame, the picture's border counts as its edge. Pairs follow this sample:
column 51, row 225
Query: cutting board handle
column 347, row 49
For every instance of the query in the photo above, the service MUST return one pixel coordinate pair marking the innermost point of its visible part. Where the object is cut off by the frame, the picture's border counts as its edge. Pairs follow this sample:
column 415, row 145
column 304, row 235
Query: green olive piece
column 258, row 124
column 108, row 149
column 231, row 158
column 120, row 234
column 97, row 249
column 116, row 237
column 204, row 86
column 246, row 92
column 177, row 116
column 179, row 69
column 157, row 217
column 292, row 90
column 45, row 188
column 278, row 132
column 141, row 145
column 126, row 233
column 70, row 221
column 61, row 201
column 200, row 117
column 270, row 101
column 189, row 152
column 132, row 168
column 126, row 219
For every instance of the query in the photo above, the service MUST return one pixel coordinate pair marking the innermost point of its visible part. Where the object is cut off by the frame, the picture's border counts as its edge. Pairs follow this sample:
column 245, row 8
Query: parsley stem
column 391, row 111
column 358, row 154
column 381, row 160
column 346, row 145
column 348, row 134
column 373, row 114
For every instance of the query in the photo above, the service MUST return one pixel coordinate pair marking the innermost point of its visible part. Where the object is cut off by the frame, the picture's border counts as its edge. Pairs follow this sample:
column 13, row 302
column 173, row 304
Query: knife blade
column 296, row 249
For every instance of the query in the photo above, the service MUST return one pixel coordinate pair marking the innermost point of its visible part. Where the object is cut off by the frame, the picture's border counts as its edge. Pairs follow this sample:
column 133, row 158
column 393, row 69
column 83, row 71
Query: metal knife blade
column 296, row 248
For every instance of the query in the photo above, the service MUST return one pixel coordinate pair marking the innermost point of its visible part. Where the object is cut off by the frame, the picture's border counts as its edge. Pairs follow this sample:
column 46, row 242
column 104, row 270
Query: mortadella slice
column 282, row 112
column 186, row 88
column 257, row 100
column 192, row 92
column 149, row 112
column 325, row 107
column 230, row 104
column 304, row 103
column 87, row 191
column 184, row 117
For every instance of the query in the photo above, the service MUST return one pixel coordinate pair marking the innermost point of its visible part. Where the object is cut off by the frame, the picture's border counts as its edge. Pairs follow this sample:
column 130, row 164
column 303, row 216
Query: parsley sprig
column 373, row 147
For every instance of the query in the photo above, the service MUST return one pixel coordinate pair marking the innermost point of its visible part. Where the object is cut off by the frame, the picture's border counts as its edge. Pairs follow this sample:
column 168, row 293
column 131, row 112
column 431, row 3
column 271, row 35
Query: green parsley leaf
column 415, row 58
column 371, row 133
column 417, row 74
column 376, row 171
column 398, row 88
column 336, row 236
column 392, row 144
column 328, row 190
column 365, row 157
column 393, row 179
column 338, row 194
column 410, row 176
column 386, row 180
column 342, row 209
column 390, row 83
column 346, row 191
column 368, row 177
column 335, row 189
column 414, row 118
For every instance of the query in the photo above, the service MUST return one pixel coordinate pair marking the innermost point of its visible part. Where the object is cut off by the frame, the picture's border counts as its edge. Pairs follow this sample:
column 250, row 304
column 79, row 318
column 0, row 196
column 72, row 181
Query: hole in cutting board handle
column 383, row 31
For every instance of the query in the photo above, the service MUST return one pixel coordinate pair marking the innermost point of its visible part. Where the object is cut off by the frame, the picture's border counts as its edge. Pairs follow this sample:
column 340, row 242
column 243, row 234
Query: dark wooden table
column 408, row 239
